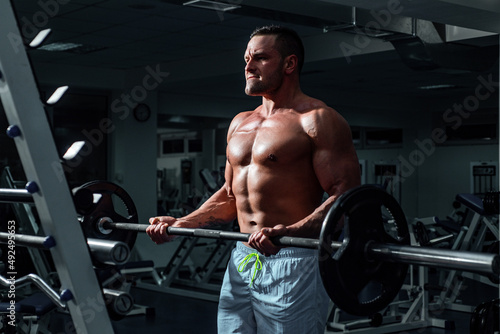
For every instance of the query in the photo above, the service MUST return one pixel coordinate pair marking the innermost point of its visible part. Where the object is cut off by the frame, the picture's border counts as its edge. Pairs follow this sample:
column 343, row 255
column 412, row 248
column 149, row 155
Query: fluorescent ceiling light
column 39, row 38
column 178, row 119
column 437, row 86
column 73, row 150
column 213, row 5
column 71, row 47
column 60, row 46
column 56, row 96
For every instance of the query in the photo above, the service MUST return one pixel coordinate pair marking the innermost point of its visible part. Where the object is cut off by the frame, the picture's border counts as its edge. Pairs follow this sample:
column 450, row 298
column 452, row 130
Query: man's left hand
column 261, row 241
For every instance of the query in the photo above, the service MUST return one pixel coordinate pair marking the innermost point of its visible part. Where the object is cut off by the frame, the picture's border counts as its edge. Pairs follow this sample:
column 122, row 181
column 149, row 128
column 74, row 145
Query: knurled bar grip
column 468, row 261
column 216, row 234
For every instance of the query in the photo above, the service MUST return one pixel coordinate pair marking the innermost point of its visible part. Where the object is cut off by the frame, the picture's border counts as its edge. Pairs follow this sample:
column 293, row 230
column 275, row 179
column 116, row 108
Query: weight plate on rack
column 110, row 202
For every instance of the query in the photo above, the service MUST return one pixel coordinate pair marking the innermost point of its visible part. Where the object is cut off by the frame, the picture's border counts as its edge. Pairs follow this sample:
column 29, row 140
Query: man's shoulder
column 321, row 116
column 317, row 108
column 240, row 118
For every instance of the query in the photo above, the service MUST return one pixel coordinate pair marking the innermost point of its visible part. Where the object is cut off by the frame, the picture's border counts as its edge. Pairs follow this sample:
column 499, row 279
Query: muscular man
column 281, row 159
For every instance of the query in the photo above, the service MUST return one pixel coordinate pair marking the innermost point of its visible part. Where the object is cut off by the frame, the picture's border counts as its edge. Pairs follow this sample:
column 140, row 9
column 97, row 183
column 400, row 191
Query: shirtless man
column 281, row 158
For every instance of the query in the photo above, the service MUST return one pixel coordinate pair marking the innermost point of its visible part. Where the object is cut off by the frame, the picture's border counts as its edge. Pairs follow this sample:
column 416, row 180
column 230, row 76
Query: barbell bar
column 362, row 269
column 364, row 244
column 285, row 241
column 488, row 264
column 426, row 256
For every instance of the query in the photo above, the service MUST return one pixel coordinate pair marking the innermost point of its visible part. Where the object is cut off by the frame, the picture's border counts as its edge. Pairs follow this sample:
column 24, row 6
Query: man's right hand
column 157, row 231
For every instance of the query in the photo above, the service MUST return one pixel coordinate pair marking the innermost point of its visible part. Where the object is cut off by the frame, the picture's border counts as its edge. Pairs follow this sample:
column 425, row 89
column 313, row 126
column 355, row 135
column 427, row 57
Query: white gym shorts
column 285, row 296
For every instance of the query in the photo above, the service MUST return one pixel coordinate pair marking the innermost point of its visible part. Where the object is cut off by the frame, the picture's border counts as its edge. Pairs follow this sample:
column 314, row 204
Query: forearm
column 219, row 209
column 310, row 226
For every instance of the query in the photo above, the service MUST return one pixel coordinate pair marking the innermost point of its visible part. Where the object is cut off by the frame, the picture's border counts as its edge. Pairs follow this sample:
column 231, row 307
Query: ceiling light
column 56, row 96
column 141, row 6
column 71, row 47
column 213, row 5
column 178, row 119
column 73, row 150
column 443, row 86
column 39, row 38
column 60, row 46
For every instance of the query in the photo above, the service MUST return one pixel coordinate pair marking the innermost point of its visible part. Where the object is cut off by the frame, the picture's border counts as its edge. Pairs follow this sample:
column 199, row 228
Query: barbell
column 364, row 244
column 363, row 267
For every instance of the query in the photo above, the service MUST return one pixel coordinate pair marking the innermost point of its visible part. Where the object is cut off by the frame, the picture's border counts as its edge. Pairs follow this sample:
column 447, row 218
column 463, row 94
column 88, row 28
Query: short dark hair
column 288, row 41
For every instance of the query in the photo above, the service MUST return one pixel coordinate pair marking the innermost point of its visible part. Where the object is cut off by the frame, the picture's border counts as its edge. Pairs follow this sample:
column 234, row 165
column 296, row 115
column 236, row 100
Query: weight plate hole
column 100, row 225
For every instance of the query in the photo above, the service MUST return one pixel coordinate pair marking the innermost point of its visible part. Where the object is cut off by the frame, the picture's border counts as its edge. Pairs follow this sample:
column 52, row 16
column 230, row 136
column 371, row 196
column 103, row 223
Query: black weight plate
column 422, row 234
column 494, row 315
column 358, row 285
column 475, row 320
column 488, row 316
column 112, row 202
column 483, row 316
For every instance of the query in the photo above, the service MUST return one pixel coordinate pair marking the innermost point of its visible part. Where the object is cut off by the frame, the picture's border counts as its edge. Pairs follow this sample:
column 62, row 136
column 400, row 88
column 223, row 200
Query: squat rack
column 31, row 132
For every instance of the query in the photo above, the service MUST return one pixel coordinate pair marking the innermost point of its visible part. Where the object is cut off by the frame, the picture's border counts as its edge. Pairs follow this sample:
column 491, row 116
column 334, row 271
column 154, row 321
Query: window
column 171, row 146
column 180, row 143
column 479, row 127
column 384, row 137
column 367, row 137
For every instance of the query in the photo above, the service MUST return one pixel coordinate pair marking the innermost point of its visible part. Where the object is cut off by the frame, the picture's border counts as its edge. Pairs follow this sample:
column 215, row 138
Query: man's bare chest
column 267, row 142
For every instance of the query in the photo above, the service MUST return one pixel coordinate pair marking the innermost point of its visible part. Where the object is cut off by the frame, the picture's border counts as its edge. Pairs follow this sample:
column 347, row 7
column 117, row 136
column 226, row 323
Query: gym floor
column 183, row 315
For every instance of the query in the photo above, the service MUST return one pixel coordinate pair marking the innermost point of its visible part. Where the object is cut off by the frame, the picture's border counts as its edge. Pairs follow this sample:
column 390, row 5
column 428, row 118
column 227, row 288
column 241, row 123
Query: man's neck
column 283, row 98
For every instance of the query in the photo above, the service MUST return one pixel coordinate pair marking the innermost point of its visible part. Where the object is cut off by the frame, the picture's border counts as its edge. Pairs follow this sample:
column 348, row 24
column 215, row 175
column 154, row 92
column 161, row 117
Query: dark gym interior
column 128, row 103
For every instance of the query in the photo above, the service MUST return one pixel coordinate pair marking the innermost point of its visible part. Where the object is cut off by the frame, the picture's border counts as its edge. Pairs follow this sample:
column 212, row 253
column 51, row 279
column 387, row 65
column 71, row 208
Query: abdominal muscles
column 266, row 197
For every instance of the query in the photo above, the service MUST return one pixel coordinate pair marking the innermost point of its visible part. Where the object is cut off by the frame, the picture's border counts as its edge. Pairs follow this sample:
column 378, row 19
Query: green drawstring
column 257, row 266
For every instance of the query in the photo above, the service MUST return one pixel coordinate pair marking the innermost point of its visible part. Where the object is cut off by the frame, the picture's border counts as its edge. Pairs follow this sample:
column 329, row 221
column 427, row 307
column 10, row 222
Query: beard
column 260, row 87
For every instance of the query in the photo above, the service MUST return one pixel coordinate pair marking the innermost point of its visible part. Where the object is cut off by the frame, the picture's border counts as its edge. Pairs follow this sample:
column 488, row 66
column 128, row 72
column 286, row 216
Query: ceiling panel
column 105, row 15
column 37, row 11
column 163, row 24
column 137, row 33
column 128, row 33
column 66, row 24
